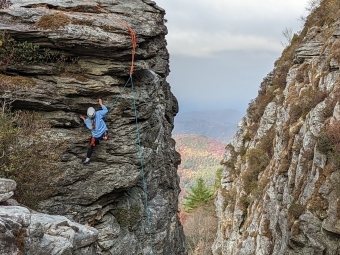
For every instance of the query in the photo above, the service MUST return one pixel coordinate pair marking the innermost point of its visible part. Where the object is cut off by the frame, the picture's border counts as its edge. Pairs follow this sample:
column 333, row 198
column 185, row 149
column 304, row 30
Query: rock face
column 280, row 185
column 25, row 232
column 129, row 190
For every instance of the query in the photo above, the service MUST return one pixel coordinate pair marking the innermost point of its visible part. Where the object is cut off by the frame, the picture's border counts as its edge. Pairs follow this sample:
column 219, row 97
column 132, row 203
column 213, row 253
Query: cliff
column 72, row 53
column 280, row 184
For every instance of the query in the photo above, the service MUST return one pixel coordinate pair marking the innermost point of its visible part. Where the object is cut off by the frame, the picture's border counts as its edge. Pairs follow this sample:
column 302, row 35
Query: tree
column 288, row 35
column 198, row 195
column 200, row 228
column 312, row 5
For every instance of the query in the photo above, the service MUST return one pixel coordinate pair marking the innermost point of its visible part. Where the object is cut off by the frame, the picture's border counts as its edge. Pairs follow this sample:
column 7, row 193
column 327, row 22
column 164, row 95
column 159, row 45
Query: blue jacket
column 99, row 122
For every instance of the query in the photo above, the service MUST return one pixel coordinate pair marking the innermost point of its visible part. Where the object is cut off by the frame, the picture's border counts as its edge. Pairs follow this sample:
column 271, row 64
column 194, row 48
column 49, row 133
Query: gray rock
column 97, row 38
column 7, row 185
column 18, row 214
column 6, row 196
column 308, row 50
column 42, row 234
column 12, row 202
column 292, row 206
column 78, row 235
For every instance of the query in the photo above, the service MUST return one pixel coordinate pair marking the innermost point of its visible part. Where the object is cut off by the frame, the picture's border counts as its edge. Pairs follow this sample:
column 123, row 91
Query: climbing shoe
column 86, row 161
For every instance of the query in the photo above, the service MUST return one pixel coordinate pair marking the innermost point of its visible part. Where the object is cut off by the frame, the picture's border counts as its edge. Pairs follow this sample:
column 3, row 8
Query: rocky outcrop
column 26, row 232
column 129, row 190
column 280, row 185
column 7, row 188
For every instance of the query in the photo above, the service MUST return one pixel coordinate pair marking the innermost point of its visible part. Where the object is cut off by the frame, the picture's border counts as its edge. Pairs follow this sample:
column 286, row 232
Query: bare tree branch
column 288, row 35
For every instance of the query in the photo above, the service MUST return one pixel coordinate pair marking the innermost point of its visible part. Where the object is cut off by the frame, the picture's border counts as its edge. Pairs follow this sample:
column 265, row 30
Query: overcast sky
column 220, row 50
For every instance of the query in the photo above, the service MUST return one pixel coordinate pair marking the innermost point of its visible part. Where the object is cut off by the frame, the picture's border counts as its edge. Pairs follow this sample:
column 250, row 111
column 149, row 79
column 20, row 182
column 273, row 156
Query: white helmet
column 91, row 112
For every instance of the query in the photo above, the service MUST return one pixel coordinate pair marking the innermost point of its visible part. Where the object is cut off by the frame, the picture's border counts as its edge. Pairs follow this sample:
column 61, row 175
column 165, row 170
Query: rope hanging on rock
column 134, row 45
column 130, row 80
column 132, row 34
column 133, row 52
column 142, row 167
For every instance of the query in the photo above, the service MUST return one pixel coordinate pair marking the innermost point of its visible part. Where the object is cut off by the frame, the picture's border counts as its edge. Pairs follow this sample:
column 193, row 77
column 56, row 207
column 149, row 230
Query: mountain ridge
column 219, row 125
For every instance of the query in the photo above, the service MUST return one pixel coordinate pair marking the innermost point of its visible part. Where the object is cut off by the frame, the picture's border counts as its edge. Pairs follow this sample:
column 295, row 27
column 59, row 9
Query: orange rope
column 133, row 38
column 134, row 45
column 132, row 34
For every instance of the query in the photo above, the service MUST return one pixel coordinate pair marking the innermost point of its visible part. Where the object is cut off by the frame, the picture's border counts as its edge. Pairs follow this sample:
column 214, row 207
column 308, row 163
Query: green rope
column 120, row 94
column 142, row 166
column 140, row 154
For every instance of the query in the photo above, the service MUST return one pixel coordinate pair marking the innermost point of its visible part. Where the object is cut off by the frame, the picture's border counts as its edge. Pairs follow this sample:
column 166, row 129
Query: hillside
column 219, row 125
column 200, row 156
column 280, row 183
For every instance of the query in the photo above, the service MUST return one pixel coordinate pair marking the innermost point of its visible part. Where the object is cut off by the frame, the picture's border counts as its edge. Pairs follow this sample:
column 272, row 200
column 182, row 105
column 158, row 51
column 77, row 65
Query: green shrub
column 13, row 52
column 257, row 160
column 28, row 155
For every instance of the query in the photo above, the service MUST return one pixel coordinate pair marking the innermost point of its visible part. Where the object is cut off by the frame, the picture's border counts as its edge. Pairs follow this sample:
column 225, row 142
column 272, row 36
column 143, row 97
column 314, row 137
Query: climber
column 96, row 124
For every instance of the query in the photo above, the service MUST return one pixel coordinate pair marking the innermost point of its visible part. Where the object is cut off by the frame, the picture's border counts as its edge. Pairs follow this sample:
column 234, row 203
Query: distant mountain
column 219, row 125
column 198, row 151
column 200, row 157
column 201, row 138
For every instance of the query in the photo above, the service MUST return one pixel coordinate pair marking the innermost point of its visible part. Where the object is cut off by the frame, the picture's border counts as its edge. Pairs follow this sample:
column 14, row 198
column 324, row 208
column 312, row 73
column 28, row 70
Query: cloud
column 227, row 82
column 220, row 50
column 203, row 28
column 209, row 44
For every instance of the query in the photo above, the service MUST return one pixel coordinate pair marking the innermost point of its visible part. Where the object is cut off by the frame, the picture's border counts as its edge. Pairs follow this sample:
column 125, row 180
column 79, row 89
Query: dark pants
column 91, row 145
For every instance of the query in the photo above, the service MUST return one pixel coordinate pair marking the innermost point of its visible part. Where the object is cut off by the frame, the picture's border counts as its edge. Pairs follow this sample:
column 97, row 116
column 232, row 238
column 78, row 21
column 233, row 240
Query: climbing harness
column 93, row 142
